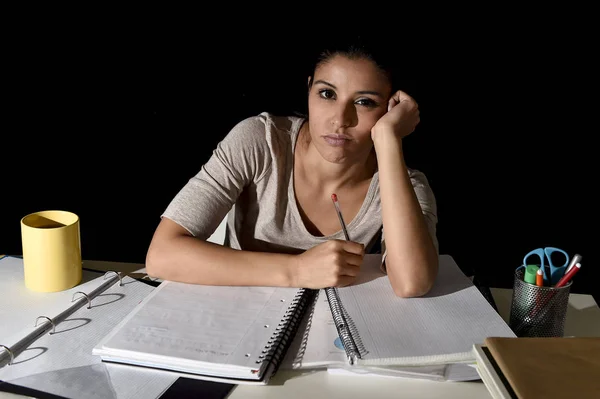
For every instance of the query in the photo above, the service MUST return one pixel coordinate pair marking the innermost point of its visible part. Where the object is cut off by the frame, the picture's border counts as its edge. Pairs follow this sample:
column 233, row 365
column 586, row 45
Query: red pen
column 567, row 277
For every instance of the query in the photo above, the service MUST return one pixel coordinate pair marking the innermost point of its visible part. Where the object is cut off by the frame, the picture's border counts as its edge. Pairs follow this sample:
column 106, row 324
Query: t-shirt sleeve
column 241, row 158
column 428, row 204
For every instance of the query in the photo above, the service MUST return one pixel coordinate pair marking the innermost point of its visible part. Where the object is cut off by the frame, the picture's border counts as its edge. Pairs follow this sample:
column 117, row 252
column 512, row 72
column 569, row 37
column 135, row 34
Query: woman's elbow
column 412, row 290
column 155, row 260
column 160, row 251
column 151, row 263
column 415, row 285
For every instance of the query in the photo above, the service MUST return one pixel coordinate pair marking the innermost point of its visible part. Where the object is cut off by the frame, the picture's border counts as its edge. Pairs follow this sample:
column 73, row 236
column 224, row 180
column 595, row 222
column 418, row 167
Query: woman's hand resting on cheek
column 400, row 120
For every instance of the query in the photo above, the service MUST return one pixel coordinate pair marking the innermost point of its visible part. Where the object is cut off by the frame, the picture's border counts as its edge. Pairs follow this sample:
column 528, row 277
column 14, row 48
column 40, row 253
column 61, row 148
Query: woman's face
column 346, row 98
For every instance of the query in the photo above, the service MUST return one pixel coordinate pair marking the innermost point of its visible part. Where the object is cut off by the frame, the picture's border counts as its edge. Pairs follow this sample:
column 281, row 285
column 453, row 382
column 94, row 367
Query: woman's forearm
column 411, row 259
column 187, row 259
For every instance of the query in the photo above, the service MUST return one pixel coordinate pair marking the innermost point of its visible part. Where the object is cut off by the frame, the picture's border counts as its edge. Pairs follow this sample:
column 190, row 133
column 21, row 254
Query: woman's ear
column 309, row 83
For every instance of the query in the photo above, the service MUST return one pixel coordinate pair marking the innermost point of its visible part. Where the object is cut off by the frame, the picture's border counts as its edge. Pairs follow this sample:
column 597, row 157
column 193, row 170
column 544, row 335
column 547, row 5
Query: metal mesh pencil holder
column 538, row 311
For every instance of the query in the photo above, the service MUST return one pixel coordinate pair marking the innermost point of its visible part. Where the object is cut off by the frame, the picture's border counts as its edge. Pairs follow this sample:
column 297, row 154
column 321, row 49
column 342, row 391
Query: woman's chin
column 337, row 157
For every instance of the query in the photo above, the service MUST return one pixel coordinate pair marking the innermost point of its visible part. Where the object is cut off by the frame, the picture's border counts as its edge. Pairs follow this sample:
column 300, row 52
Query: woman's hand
column 401, row 118
column 334, row 263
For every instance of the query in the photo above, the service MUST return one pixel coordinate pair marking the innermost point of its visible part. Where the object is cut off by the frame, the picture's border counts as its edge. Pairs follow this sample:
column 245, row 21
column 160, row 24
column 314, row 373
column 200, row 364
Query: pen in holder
column 538, row 311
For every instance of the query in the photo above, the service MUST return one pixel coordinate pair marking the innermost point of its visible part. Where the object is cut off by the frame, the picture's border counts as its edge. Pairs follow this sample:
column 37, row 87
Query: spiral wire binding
column 297, row 361
column 362, row 350
column 282, row 337
column 346, row 328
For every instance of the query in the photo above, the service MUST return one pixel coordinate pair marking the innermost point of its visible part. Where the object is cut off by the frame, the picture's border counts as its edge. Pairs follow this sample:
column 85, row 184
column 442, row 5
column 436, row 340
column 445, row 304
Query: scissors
column 556, row 272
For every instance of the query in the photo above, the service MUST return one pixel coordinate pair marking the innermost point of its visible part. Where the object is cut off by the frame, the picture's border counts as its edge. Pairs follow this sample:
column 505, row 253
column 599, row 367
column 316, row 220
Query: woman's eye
column 367, row 102
column 326, row 93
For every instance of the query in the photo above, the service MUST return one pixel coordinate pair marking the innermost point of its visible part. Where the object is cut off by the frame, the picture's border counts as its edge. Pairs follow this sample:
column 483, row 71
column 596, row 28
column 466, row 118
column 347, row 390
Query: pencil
column 339, row 213
column 334, row 303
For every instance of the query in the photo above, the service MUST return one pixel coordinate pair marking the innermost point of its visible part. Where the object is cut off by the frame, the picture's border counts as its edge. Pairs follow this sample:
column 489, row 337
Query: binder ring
column 12, row 357
column 84, row 294
column 47, row 318
column 118, row 275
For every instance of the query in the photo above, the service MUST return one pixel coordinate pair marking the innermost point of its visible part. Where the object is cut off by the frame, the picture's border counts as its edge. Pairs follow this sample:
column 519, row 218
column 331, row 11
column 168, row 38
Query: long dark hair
column 358, row 47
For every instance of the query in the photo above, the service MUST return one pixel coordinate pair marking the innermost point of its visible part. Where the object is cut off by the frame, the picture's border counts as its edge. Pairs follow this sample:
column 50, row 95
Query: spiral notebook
column 218, row 333
column 366, row 328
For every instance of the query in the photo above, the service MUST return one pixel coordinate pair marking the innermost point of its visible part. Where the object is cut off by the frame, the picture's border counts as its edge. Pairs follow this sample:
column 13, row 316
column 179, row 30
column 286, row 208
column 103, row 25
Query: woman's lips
column 336, row 140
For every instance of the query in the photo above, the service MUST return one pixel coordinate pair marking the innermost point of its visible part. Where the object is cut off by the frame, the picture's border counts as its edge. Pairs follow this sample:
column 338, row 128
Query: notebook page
column 211, row 330
column 440, row 327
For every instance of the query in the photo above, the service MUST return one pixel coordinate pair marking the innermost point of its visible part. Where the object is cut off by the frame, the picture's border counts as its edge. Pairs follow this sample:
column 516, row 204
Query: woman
column 275, row 176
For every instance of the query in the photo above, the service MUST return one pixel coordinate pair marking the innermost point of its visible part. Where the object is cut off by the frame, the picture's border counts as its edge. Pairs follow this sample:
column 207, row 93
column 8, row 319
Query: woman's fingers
column 399, row 97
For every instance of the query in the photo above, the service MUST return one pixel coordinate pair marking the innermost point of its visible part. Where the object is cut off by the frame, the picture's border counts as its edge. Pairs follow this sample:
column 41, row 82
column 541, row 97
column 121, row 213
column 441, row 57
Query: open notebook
column 426, row 337
column 218, row 333
column 244, row 334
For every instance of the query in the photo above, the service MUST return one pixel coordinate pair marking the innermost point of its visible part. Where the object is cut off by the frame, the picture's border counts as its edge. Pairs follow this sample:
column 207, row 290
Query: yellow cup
column 51, row 250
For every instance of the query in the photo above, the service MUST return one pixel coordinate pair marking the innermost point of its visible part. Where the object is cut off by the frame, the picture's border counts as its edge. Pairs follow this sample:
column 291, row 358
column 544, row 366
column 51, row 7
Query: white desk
column 583, row 319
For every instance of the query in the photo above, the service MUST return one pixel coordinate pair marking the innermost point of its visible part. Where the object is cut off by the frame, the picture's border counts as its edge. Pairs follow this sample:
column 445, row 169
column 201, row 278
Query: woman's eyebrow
column 371, row 92
column 325, row 83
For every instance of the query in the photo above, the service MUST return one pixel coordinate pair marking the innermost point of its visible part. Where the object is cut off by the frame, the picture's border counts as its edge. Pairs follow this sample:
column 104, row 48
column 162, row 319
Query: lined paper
column 438, row 328
column 212, row 330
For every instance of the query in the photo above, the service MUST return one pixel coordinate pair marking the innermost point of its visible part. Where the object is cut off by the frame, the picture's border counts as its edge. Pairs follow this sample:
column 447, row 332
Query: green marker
column 530, row 273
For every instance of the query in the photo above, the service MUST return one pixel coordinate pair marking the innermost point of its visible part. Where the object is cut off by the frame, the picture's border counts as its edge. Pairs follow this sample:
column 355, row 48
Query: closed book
column 547, row 367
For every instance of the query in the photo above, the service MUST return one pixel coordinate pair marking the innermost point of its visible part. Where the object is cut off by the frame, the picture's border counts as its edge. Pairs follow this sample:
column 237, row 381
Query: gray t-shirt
column 249, row 179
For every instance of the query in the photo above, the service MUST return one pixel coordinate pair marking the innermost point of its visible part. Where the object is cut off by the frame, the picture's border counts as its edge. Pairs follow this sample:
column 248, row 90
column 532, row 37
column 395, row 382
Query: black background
column 110, row 122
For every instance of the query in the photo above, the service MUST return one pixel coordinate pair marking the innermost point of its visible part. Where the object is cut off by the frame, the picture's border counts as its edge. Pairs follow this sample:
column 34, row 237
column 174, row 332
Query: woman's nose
column 344, row 116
